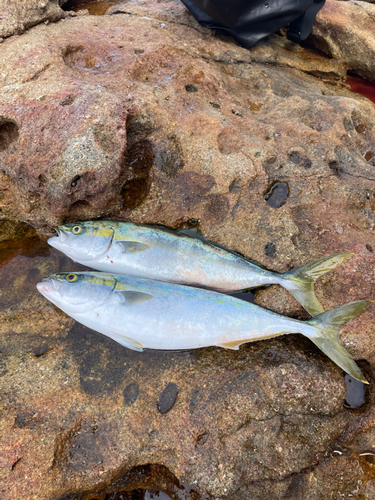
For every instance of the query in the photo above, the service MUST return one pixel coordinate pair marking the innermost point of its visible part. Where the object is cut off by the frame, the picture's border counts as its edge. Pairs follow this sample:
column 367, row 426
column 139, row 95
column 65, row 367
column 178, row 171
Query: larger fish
column 141, row 313
column 162, row 254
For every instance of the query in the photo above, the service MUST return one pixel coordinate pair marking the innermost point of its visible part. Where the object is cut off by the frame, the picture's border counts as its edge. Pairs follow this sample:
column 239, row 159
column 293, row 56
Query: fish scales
column 141, row 313
column 162, row 254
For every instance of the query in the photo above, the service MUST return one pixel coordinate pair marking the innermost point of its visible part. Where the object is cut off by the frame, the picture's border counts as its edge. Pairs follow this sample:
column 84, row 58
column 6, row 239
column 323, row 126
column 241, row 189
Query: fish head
column 84, row 241
column 77, row 292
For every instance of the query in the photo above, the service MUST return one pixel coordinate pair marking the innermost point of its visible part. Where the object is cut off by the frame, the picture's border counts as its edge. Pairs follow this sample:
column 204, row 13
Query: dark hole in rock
column 67, row 101
column 138, row 51
column 202, row 438
column 369, row 155
column 277, row 194
column 215, row 105
column 131, row 393
column 70, row 54
column 75, row 181
column 335, row 167
column 88, row 59
column 42, row 180
column 95, row 7
column 356, row 396
column 133, row 193
column 8, row 133
column 300, row 160
column 167, row 398
column 139, row 159
column 191, row 87
column 360, row 128
column 79, row 204
column 144, row 482
column 369, row 248
column 270, row 249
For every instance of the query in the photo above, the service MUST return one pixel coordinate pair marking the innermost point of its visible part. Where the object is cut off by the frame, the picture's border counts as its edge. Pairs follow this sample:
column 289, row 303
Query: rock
column 17, row 16
column 345, row 31
column 147, row 117
column 79, row 411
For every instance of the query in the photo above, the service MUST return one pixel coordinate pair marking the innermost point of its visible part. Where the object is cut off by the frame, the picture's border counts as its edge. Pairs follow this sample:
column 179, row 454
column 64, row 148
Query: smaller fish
column 140, row 313
column 162, row 254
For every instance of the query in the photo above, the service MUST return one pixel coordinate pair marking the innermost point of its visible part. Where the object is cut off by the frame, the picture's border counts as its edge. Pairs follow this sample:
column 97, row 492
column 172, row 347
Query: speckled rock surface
column 81, row 416
column 345, row 31
column 78, row 410
column 17, row 15
column 145, row 116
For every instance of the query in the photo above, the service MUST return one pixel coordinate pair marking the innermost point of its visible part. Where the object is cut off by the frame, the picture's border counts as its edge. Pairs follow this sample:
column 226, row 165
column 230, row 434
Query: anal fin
column 127, row 342
column 233, row 344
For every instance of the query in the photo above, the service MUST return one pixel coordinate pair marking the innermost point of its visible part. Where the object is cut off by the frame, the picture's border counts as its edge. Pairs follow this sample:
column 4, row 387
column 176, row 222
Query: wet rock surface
column 146, row 116
column 81, row 416
column 79, row 411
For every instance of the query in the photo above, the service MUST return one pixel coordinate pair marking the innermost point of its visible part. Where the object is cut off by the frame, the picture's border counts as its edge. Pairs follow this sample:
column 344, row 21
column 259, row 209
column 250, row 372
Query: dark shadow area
column 8, row 133
column 95, row 7
column 144, row 482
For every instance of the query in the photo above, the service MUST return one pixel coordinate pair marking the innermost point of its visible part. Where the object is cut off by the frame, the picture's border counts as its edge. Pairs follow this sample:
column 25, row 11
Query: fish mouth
column 61, row 234
column 60, row 238
column 48, row 285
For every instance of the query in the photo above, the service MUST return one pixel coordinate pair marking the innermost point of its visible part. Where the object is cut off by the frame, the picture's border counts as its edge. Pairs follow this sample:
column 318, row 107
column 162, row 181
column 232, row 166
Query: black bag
column 247, row 21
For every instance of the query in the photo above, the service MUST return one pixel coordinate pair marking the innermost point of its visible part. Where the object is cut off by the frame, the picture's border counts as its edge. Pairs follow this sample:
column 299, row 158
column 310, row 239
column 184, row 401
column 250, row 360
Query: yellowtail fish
column 162, row 254
column 140, row 313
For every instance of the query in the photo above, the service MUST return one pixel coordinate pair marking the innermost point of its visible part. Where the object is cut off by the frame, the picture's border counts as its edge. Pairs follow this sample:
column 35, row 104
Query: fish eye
column 71, row 278
column 76, row 229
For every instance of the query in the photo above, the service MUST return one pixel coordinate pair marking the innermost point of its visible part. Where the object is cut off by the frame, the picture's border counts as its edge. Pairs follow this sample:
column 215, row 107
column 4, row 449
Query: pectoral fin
column 131, row 298
column 131, row 246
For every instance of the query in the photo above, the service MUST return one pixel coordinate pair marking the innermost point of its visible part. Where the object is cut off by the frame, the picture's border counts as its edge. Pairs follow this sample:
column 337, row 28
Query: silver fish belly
column 161, row 254
column 140, row 313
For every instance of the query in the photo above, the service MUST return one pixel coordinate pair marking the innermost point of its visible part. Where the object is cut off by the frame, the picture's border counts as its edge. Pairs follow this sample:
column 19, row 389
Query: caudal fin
column 326, row 338
column 300, row 281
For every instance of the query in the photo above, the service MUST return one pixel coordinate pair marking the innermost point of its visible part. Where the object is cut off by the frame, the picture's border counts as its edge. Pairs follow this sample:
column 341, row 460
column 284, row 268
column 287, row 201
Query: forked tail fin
column 300, row 281
column 329, row 324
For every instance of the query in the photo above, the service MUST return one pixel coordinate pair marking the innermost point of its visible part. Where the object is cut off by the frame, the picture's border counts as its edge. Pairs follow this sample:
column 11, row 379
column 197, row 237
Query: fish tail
column 300, row 281
column 328, row 326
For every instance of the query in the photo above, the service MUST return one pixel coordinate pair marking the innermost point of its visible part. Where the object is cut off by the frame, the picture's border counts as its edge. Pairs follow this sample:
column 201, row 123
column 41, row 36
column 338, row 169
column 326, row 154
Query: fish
column 141, row 313
column 162, row 254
